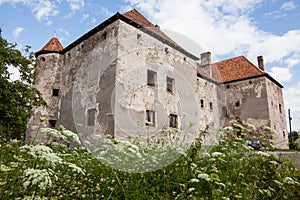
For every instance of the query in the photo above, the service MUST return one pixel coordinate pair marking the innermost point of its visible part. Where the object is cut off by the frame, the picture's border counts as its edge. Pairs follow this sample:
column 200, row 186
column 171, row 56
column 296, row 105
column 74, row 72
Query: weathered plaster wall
column 88, row 80
column 277, row 115
column 47, row 78
column 139, row 52
column 247, row 101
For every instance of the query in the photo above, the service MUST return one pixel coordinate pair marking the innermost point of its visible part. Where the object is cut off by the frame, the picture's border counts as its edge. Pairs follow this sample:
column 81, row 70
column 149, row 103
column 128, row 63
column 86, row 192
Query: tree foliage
column 17, row 97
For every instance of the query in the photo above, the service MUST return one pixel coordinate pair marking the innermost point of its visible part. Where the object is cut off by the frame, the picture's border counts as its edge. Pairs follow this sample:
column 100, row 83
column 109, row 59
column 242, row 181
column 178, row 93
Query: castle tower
column 47, row 81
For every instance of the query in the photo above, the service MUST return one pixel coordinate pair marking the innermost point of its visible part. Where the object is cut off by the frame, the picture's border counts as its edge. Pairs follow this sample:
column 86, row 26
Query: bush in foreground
column 231, row 170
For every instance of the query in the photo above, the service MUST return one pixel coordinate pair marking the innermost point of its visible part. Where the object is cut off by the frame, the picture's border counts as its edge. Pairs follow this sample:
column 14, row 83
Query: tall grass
column 231, row 170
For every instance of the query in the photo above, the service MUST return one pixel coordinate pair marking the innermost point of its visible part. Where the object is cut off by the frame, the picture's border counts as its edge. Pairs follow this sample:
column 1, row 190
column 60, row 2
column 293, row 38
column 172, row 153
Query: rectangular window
column 91, row 116
column 280, row 108
column 170, row 84
column 224, row 111
column 151, row 78
column 173, row 121
column 210, row 105
column 150, row 118
column 202, row 103
column 55, row 92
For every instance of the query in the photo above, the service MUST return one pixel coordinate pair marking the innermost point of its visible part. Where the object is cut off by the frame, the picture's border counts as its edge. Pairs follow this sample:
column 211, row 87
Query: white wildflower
column 194, row 180
column 261, row 153
column 71, row 135
column 191, row 190
column 75, row 168
column 217, row 154
column 204, row 176
column 39, row 177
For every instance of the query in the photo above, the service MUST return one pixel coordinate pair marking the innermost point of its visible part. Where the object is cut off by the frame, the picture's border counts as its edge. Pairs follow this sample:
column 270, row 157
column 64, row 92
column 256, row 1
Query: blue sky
column 227, row 28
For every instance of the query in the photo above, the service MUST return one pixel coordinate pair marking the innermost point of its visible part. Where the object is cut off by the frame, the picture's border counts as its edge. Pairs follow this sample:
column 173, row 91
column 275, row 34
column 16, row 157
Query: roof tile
column 53, row 45
column 234, row 69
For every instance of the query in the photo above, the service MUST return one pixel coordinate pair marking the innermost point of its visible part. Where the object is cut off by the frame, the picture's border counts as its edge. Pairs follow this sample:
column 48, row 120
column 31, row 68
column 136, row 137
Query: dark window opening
column 151, row 78
column 280, row 109
column 52, row 123
column 227, row 86
column 166, row 50
column 210, row 105
column 170, row 84
column 173, row 121
column 237, row 104
column 224, row 111
column 43, row 59
column 202, row 103
column 55, row 92
column 104, row 35
column 272, row 103
column 150, row 118
column 250, row 82
column 91, row 116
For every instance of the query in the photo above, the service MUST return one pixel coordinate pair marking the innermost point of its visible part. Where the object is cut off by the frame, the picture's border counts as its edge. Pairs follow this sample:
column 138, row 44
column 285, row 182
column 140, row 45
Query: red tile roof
column 137, row 17
column 53, row 45
column 234, row 69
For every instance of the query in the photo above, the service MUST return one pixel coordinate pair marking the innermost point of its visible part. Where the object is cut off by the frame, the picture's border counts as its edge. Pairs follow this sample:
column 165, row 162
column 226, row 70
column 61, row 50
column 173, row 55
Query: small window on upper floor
column 237, row 104
column 201, row 103
column 173, row 121
column 170, row 84
column 210, row 105
column 280, row 108
column 55, row 92
column 150, row 118
column 151, row 78
column 91, row 115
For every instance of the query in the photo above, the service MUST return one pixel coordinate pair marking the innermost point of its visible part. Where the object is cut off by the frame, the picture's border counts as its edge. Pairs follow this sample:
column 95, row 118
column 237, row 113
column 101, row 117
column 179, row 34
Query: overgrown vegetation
column 231, row 170
column 293, row 140
column 17, row 97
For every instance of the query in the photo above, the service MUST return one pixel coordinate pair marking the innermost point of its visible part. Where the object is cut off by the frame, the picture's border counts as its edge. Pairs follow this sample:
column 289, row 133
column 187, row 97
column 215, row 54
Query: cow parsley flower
column 204, row 176
column 39, row 177
column 194, row 180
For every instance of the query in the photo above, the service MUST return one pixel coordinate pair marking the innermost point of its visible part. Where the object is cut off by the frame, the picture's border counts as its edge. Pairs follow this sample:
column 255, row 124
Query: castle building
column 126, row 77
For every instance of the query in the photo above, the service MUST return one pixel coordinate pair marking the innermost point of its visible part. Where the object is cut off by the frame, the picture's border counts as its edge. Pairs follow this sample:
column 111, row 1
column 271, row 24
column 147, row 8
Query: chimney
column 205, row 62
column 260, row 60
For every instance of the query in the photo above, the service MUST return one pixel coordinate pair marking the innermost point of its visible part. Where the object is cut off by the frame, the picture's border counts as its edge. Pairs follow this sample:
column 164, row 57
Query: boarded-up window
column 173, row 121
column 224, row 111
column 91, row 114
column 210, row 105
column 170, row 84
column 151, row 78
column 150, row 118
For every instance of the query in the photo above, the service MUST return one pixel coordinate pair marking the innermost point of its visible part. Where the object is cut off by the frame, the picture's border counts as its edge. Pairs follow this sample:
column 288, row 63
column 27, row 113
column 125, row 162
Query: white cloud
column 75, row 4
column 292, row 96
column 84, row 17
column 42, row 9
column 17, row 32
column 288, row 6
column 281, row 74
column 224, row 27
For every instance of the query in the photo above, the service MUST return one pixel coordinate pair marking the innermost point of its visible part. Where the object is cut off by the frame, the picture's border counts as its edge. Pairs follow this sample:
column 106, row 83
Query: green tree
column 17, row 97
column 292, row 140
